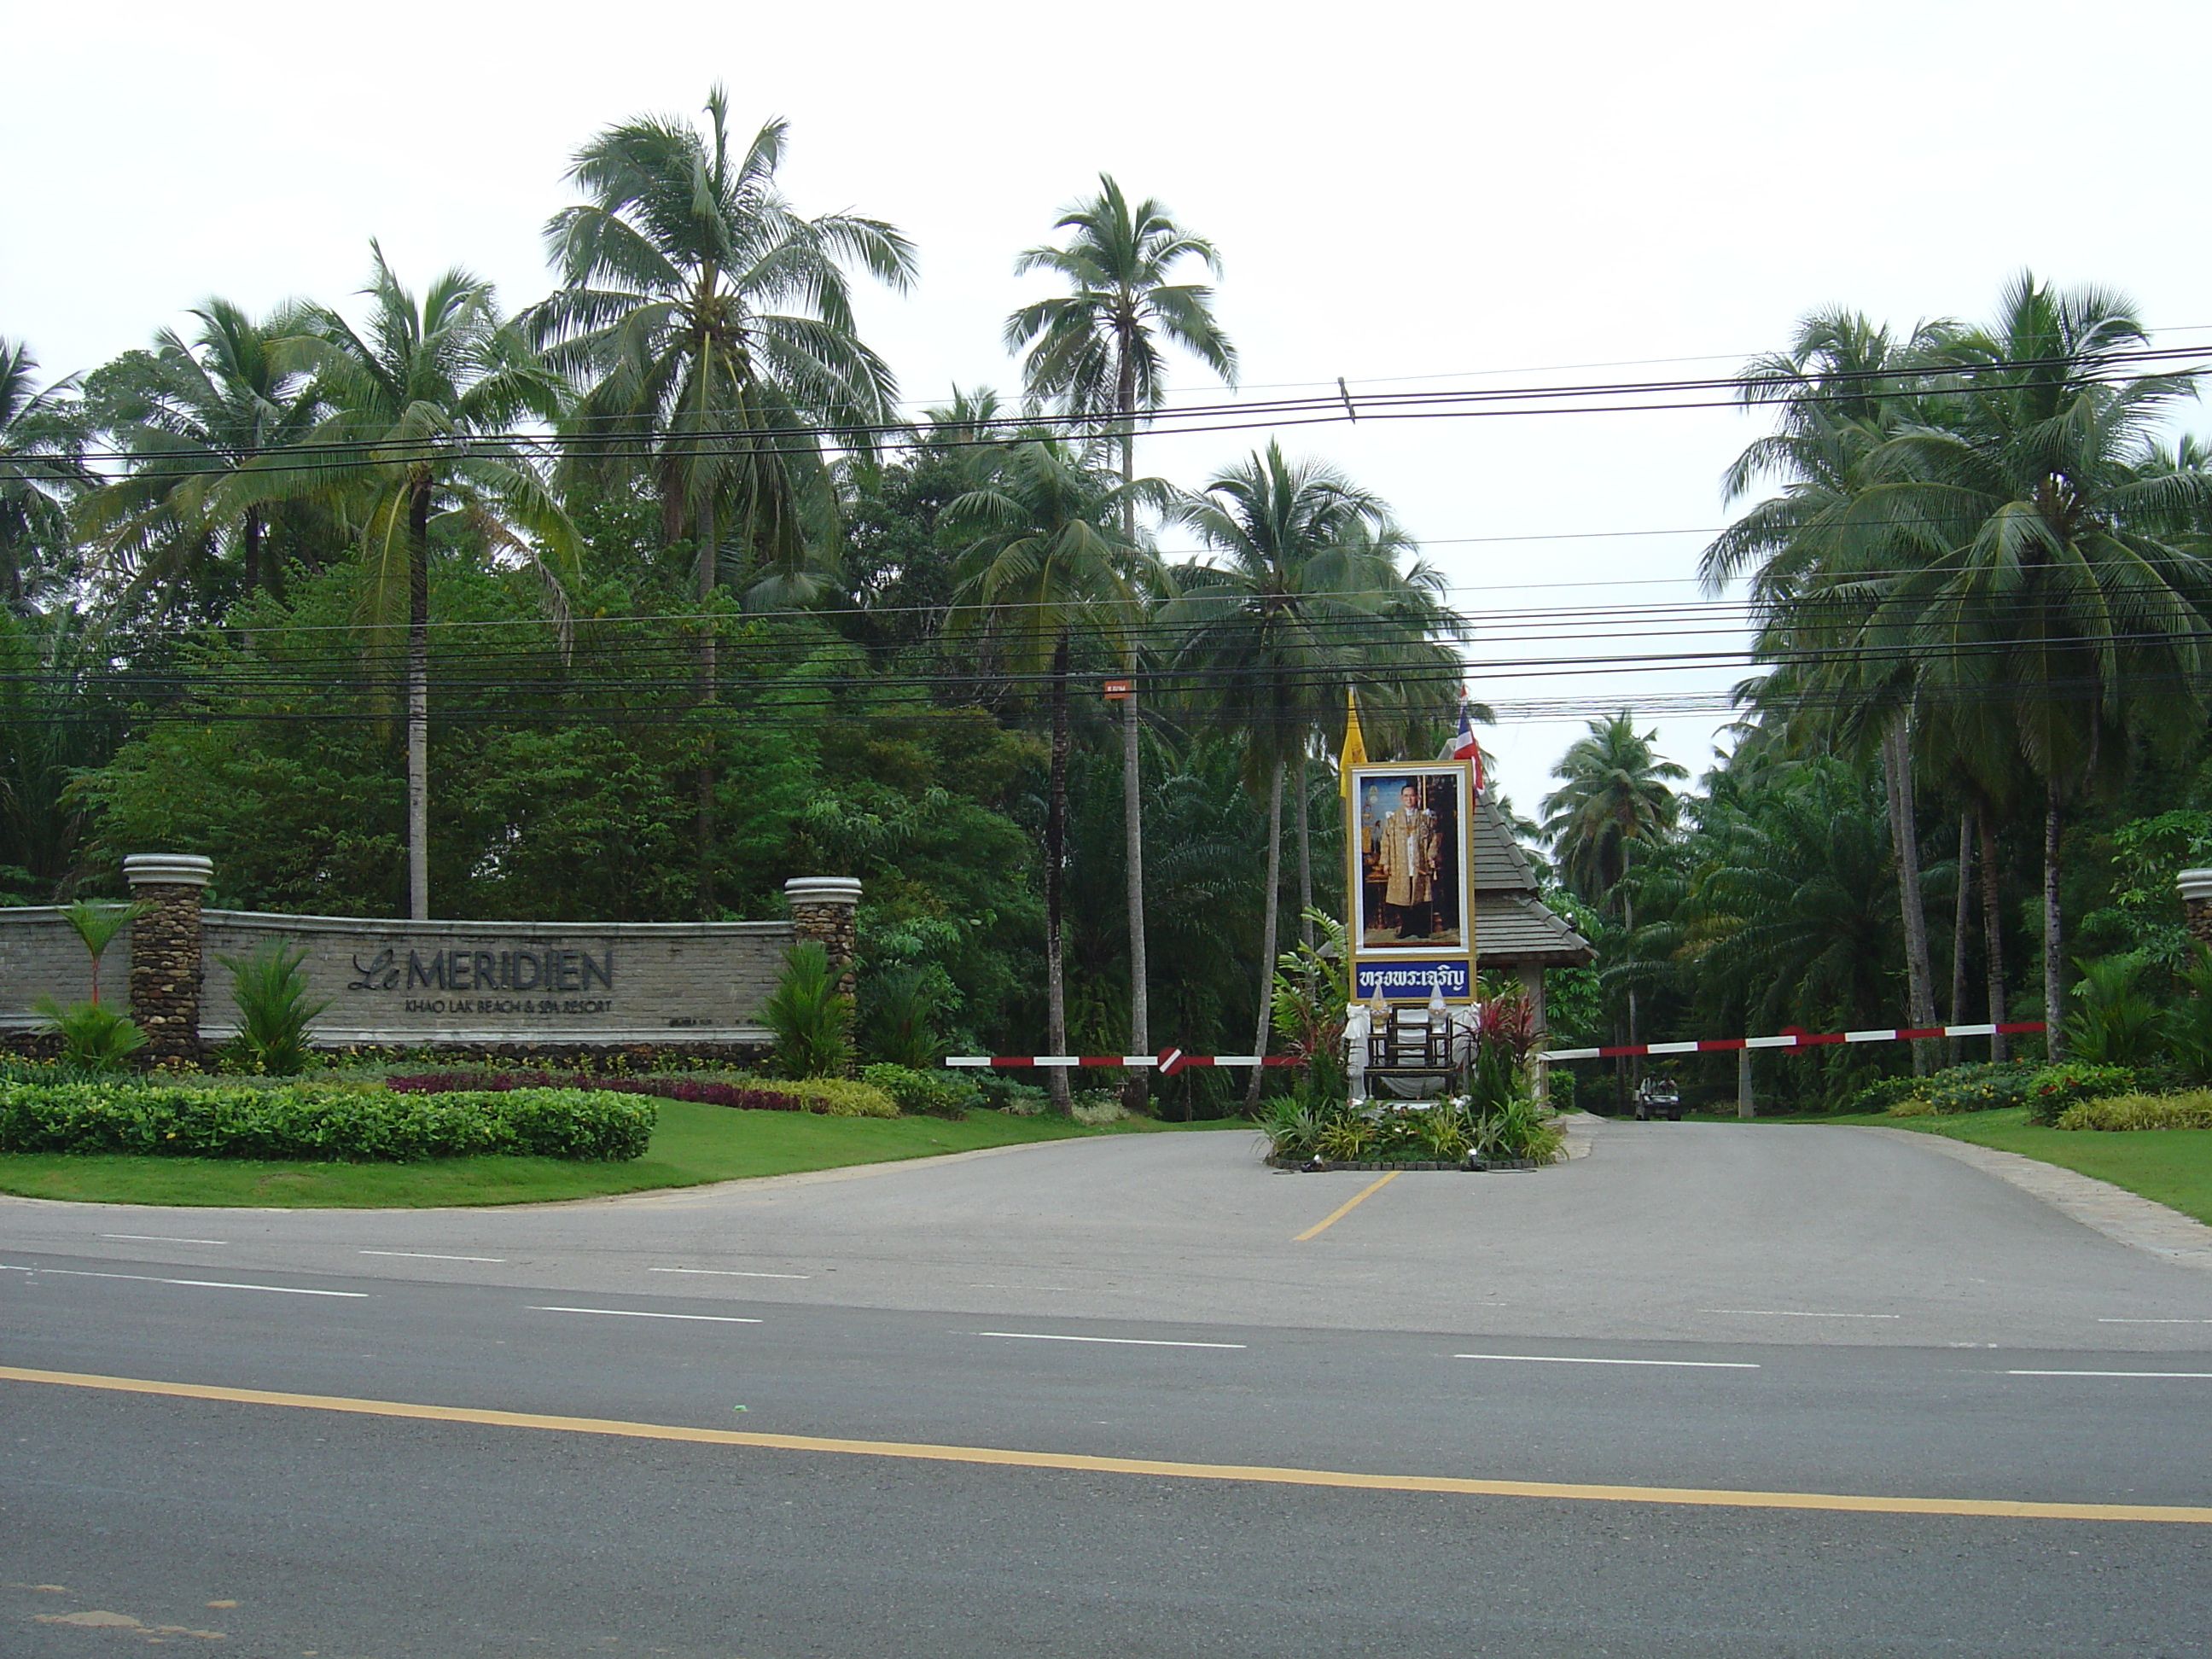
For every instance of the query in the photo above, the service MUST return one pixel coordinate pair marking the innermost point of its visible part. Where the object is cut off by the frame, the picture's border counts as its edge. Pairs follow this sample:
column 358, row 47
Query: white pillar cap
column 822, row 890
column 184, row 869
column 2195, row 883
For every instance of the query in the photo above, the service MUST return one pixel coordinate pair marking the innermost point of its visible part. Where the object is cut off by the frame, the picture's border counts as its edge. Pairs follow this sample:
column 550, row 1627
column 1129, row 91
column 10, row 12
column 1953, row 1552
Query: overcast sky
column 1482, row 193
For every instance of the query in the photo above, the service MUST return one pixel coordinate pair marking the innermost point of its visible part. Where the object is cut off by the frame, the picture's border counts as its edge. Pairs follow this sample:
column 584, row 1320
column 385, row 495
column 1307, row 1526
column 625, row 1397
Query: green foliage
column 305, row 1121
column 899, row 1025
column 1425, row 1132
column 841, row 1096
column 2115, row 1021
column 94, row 1036
column 270, row 989
column 2192, row 1110
column 1312, row 992
column 1981, row 1087
column 2055, row 1088
column 809, row 1015
column 1885, row 1092
column 1004, row 1094
column 932, row 1094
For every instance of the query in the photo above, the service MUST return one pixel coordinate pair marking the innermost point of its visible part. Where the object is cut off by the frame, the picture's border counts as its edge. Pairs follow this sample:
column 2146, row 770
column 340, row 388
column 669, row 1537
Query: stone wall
column 538, row 987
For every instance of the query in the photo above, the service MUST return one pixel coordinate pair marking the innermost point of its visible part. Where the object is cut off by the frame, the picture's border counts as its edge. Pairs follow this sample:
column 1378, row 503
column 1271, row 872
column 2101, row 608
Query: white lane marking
column 159, row 1238
column 727, row 1272
column 1125, row 1341
column 1796, row 1313
column 425, row 1256
column 2198, row 1376
column 2154, row 1321
column 640, row 1313
column 1578, row 1359
column 204, row 1283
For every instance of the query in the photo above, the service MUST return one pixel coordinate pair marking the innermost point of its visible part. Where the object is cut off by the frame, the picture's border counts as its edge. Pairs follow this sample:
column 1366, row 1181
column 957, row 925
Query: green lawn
column 693, row 1143
column 2173, row 1166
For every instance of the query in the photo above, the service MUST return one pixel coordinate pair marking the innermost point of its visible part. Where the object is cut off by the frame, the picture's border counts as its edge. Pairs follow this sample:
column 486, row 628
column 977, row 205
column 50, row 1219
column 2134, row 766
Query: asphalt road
column 1801, row 1313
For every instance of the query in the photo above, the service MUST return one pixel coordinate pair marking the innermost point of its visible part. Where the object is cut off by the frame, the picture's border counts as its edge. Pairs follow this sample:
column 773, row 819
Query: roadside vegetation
column 691, row 1144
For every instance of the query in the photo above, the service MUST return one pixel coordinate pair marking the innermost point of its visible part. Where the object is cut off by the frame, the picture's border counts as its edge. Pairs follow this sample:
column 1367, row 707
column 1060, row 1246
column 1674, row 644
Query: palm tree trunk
column 1961, row 910
column 419, row 701
column 2054, row 981
column 251, row 557
column 1267, row 931
column 1992, row 929
column 1133, row 837
column 705, row 570
column 1305, row 855
column 1055, row 840
column 1904, row 840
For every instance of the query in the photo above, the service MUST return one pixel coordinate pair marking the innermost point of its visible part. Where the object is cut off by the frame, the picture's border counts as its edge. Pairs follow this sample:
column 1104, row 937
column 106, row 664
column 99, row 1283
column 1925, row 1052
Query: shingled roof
column 1512, row 925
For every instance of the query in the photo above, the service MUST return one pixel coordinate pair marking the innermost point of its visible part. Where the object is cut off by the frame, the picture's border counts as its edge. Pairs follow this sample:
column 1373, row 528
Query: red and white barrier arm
column 1794, row 1040
column 1168, row 1061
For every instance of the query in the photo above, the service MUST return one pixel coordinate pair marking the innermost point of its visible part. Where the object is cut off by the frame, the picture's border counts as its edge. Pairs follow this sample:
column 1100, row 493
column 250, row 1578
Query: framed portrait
column 1408, row 880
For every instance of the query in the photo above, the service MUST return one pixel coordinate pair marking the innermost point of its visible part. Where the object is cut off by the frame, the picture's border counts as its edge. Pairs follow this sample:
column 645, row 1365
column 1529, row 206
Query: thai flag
column 1464, row 747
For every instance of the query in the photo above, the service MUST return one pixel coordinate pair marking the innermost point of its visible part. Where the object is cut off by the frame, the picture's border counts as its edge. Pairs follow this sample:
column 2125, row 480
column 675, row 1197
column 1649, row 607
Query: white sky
column 1397, row 190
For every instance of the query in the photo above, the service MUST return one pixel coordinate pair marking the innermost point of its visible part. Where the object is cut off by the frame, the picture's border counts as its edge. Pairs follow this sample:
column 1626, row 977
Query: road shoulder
column 2140, row 1222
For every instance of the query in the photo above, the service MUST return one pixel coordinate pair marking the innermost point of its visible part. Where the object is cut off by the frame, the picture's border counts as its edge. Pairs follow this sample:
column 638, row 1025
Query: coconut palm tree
column 41, row 469
column 192, row 415
column 713, row 328
column 1046, row 562
column 1615, row 796
column 1097, row 354
column 405, row 394
column 1302, row 597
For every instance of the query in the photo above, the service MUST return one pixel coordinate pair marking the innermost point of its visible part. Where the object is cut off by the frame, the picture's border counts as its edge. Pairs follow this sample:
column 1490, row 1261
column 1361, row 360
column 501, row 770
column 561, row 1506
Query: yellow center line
column 1345, row 1208
column 1007, row 1457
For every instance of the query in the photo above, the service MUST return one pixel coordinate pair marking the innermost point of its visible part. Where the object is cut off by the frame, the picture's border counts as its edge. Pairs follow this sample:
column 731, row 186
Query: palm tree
column 714, row 327
column 1046, row 560
column 1820, row 553
column 1096, row 352
column 41, row 441
column 1300, row 602
column 405, row 395
column 1614, row 797
column 192, row 415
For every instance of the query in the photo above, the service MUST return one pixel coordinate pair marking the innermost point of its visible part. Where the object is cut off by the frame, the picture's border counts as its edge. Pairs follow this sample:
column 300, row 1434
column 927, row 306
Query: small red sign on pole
column 1116, row 690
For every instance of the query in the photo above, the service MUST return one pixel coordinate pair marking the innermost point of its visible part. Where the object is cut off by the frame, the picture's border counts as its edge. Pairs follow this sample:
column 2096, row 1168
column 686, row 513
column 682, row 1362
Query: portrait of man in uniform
column 1409, row 888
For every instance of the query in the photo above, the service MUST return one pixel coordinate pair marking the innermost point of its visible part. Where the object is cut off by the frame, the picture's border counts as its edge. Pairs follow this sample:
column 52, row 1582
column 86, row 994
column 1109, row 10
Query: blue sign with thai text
column 1408, row 982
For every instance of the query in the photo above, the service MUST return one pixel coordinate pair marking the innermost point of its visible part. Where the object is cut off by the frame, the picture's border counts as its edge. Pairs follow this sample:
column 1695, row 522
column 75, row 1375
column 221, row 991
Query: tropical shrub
column 2055, row 1088
column 1982, row 1086
column 934, row 1094
column 901, row 1025
column 1884, row 1093
column 810, row 1014
column 94, row 1036
column 2192, row 1110
column 270, row 989
column 830, row 1097
column 2114, row 1020
column 1004, row 1094
column 307, row 1121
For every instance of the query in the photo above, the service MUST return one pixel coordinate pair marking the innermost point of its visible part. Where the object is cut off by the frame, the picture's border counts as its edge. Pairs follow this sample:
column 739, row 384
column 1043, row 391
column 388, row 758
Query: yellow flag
column 1355, row 746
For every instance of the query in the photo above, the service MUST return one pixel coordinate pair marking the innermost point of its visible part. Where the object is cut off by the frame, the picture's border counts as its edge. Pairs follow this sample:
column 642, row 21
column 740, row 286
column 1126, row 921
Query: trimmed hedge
column 831, row 1096
column 305, row 1123
column 2192, row 1110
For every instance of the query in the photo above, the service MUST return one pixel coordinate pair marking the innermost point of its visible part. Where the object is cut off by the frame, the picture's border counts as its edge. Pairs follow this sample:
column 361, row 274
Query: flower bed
column 305, row 1123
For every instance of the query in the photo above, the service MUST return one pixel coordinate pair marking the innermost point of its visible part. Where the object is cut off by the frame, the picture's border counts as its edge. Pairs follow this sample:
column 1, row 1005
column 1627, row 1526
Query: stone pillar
column 1539, row 1071
column 165, row 952
column 2196, row 887
column 823, row 910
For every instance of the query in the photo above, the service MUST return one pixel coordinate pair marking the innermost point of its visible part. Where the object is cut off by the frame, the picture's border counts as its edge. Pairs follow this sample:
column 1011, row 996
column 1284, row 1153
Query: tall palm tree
column 1299, row 597
column 1820, row 552
column 1096, row 353
column 41, row 469
column 713, row 327
column 404, row 394
column 192, row 415
column 1614, row 797
column 1047, row 561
